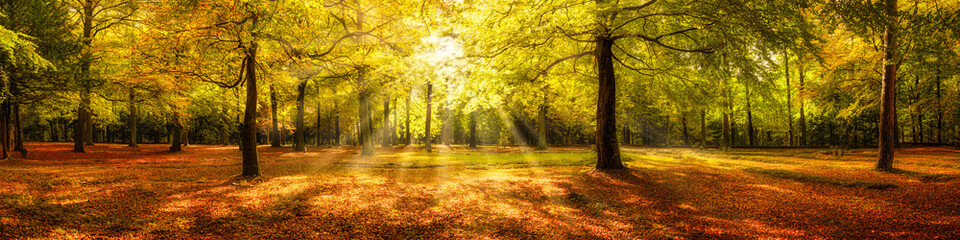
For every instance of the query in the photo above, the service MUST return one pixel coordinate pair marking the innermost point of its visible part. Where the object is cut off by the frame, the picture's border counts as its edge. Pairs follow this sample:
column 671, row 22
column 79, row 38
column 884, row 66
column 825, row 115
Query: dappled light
column 479, row 119
column 467, row 193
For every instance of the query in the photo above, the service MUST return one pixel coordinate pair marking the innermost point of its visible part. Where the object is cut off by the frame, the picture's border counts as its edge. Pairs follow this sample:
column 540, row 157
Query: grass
column 115, row 192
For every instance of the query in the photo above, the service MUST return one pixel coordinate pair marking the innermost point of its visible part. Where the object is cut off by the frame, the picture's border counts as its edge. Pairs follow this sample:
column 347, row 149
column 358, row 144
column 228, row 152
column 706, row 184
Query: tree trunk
column 703, row 128
column 336, row 124
column 887, row 103
column 803, row 114
column 473, row 129
column 686, row 133
column 319, row 134
column 786, row 69
column 385, row 141
column 248, row 137
column 176, row 132
column 725, row 135
column 542, row 128
column 409, row 138
column 83, row 116
column 427, row 139
column 939, row 110
column 88, row 134
column 366, row 123
column 916, row 84
column 275, row 129
column 5, row 122
column 751, row 132
column 608, row 151
column 394, row 139
column 299, row 142
column 18, row 131
column 132, row 122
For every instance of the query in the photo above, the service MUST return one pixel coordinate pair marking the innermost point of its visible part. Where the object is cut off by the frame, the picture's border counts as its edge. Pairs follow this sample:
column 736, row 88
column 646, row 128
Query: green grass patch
column 801, row 177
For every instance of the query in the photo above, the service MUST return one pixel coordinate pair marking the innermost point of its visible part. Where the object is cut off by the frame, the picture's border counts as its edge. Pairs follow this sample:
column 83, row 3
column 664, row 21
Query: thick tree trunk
column 608, row 150
column 176, row 133
column 299, row 142
column 88, row 138
column 542, row 128
column 132, row 122
column 18, row 131
column 888, row 88
column 248, row 137
column 275, row 129
column 473, row 129
column 83, row 116
column 366, row 123
column 427, row 139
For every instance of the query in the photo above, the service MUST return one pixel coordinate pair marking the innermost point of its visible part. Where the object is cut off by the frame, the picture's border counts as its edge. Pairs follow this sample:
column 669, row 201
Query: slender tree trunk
column 275, row 129
column 336, row 124
column 803, row 116
column 319, row 134
column 224, row 127
column 725, row 135
column 786, row 69
column 427, row 139
column 939, row 110
column 385, row 142
column 176, row 132
column 916, row 82
column 299, row 142
column 248, row 137
column 5, row 122
column 686, row 133
column 473, row 129
column 409, row 138
column 751, row 132
column 608, row 150
column 703, row 128
column 887, row 101
column 542, row 128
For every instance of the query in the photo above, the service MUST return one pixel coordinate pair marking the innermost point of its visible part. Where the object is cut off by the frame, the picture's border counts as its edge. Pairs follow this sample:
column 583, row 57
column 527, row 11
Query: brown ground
column 120, row 192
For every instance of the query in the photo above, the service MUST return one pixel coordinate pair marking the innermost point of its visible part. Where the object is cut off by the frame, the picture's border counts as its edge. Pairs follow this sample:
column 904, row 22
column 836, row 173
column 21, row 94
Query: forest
column 479, row 119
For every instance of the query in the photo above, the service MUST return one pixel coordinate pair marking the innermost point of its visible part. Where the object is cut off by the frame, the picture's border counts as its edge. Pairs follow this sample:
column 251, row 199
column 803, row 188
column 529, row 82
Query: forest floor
column 115, row 191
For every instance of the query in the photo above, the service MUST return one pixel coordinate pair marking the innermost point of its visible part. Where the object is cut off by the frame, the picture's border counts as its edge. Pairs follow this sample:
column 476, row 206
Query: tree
column 95, row 16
